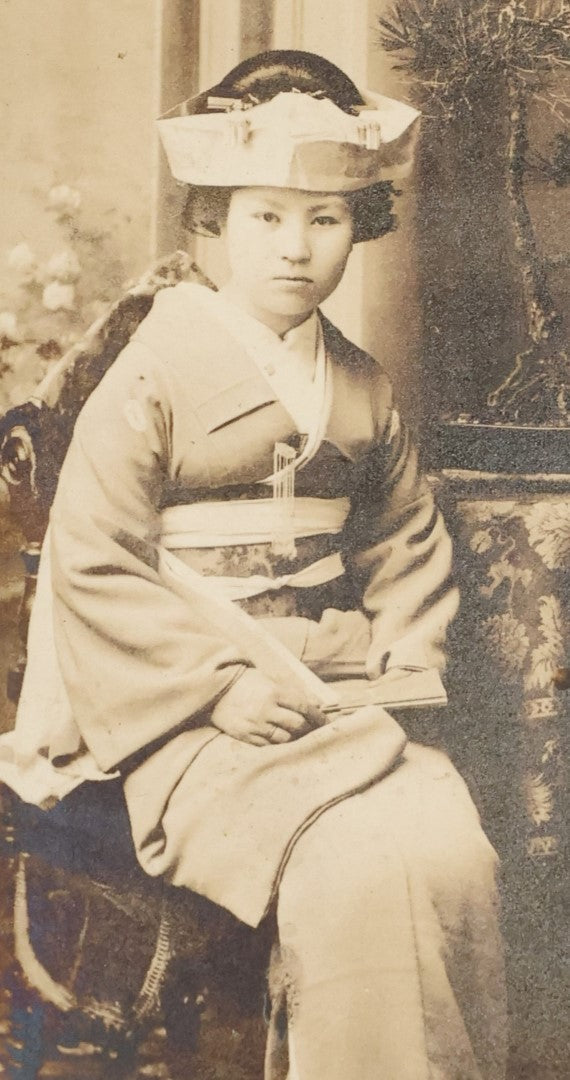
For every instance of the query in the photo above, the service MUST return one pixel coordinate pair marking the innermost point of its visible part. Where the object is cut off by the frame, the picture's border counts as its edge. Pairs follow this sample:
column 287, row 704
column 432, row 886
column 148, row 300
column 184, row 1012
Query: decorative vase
column 506, row 495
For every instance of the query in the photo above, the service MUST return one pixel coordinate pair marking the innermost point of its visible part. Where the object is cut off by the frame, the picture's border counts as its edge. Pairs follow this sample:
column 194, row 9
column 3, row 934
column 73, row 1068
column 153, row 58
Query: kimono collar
column 299, row 340
column 288, row 363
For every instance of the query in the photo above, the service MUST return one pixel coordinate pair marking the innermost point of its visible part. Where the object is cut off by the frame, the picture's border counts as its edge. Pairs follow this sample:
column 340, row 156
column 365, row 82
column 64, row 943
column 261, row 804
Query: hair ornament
column 370, row 134
column 239, row 128
column 221, row 104
column 319, row 95
column 216, row 103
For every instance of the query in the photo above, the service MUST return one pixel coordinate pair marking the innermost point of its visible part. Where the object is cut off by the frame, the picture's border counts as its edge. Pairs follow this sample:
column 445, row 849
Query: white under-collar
column 288, row 363
column 299, row 339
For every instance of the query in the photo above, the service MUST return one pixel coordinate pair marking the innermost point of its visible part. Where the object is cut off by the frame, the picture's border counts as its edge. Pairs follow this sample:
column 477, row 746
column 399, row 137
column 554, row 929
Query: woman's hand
column 375, row 670
column 258, row 711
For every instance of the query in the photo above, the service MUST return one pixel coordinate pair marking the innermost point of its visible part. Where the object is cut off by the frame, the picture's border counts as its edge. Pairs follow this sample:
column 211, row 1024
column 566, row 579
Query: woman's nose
column 294, row 244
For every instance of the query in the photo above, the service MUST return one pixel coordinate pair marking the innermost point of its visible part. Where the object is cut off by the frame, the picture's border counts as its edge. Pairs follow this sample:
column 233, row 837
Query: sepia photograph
column 284, row 539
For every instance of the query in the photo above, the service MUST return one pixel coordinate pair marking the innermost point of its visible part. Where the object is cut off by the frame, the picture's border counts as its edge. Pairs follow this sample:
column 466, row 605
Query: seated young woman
column 241, row 438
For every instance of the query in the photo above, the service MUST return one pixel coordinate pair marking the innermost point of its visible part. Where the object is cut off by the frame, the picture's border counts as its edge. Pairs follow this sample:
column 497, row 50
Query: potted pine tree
column 481, row 71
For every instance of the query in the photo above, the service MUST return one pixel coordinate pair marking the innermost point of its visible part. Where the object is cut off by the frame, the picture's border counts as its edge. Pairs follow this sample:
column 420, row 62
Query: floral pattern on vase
column 511, row 639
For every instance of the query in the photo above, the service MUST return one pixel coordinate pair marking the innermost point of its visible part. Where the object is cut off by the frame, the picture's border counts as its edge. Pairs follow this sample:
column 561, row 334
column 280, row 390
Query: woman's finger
column 308, row 708
column 314, row 714
column 375, row 662
column 255, row 740
column 289, row 720
column 274, row 733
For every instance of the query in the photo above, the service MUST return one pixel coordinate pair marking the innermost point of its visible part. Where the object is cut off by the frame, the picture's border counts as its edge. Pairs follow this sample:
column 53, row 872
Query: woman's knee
column 456, row 865
column 420, row 829
column 443, row 836
column 339, row 869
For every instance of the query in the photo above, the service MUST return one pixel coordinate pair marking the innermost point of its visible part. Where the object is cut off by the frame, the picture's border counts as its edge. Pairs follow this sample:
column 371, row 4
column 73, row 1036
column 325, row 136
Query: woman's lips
column 294, row 280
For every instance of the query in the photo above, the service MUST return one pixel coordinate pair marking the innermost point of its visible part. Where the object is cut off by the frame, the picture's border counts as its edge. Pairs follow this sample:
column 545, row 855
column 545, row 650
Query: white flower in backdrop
column 64, row 200
column 48, row 300
column 9, row 329
column 58, row 296
column 64, row 267
column 22, row 259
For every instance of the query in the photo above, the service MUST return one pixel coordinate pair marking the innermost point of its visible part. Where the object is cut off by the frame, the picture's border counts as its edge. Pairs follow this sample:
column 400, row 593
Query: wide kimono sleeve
column 397, row 547
column 137, row 662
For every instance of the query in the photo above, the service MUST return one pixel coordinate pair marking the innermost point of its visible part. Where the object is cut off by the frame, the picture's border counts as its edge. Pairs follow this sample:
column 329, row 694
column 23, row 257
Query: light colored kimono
column 189, row 416
column 185, row 415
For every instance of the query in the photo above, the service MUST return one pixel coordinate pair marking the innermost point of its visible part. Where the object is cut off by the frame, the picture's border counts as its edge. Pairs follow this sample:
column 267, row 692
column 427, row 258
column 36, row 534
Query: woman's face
column 287, row 251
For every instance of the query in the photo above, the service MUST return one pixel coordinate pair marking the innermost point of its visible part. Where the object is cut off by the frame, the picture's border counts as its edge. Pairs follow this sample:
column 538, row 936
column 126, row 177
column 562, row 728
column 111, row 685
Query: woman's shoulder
column 351, row 357
column 158, row 358
column 177, row 321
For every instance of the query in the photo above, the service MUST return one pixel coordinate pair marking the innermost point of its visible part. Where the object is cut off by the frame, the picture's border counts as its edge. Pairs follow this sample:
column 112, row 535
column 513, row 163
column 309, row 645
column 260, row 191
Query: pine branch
column 477, row 43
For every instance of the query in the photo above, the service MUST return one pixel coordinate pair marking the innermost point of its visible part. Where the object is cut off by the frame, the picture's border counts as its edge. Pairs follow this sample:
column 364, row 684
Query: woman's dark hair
column 261, row 78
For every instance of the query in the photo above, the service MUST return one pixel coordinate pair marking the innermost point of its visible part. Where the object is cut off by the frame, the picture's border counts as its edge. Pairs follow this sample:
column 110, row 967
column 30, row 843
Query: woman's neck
column 279, row 323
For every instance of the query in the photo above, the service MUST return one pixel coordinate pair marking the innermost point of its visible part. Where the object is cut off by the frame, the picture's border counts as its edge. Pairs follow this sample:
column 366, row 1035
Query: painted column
column 178, row 49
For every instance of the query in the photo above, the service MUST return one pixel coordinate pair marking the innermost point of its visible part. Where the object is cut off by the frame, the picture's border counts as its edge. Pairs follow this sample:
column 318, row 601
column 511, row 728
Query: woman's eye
column 325, row 219
column 268, row 216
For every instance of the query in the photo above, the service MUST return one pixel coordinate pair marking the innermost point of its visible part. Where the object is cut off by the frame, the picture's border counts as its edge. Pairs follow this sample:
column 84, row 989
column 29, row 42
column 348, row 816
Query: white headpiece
column 296, row 140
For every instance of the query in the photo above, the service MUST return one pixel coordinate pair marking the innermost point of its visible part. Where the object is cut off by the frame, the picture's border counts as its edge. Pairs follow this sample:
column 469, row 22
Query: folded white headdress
column 296, row 140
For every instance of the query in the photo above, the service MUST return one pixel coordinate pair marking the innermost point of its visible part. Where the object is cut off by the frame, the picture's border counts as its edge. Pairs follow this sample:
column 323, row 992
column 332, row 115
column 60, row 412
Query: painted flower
column 548, row 526
column 58, row 297
column 549, row 655
column 9, row 329
column 484, row 513
column 64, row 200
column 539, row 799
column 22, row 259
column 481, row 541
column 508, row 640
column 64, row 266
column 550, row 751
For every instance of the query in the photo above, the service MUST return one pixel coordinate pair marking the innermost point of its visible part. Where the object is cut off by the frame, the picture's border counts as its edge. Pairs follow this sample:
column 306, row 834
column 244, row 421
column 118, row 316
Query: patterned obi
column 234, row 541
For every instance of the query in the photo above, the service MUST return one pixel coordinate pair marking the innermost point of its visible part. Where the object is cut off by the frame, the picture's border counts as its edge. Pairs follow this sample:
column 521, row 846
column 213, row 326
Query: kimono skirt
column 388, row 962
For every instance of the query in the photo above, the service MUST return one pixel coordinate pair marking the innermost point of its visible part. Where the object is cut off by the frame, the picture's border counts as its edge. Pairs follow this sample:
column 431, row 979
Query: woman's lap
column 220, row 818
column 416, row 834
column 420, row 811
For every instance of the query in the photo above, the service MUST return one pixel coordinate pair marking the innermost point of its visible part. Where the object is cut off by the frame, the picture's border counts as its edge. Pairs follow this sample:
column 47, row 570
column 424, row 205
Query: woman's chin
column 290, row 302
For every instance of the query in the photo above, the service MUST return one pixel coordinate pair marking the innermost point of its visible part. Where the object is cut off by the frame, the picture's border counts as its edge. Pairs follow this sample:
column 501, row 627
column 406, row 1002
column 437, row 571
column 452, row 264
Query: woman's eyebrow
column 332, row 204
column 266, row 200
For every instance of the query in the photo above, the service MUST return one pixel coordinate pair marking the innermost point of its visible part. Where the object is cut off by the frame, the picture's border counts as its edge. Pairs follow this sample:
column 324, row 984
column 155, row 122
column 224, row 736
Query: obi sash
column 254, row 521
